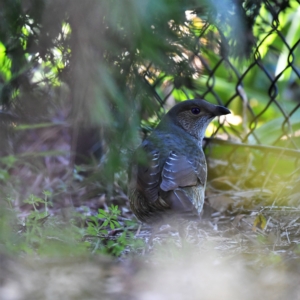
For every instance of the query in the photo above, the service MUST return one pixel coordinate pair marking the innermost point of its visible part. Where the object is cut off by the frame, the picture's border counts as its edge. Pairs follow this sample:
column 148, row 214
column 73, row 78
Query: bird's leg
column 138, row 230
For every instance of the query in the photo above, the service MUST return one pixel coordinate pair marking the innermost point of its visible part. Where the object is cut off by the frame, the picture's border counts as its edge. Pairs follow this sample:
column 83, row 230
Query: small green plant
column 6, row 162
column 44, row 234
column 32, row 225
column 111, row 235
column 36, row 201
column 106, row 218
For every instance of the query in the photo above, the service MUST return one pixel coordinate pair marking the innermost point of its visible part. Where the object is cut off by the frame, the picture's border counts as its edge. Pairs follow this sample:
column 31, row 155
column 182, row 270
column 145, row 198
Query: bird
column 168, row 171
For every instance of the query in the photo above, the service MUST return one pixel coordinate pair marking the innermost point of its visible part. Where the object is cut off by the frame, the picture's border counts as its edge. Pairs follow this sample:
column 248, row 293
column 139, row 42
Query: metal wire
column 276, row 101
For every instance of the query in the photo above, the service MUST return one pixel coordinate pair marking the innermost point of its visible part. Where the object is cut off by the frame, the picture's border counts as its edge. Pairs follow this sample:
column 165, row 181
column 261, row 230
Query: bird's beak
column 221, row 110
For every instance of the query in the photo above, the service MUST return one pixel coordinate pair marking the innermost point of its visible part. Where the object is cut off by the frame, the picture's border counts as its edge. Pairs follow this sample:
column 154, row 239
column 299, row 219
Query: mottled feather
column 168, row 172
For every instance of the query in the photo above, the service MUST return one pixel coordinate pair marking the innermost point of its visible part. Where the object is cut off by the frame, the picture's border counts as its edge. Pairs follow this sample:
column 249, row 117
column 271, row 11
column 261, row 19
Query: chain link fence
column 261, row 138
column 263, row 92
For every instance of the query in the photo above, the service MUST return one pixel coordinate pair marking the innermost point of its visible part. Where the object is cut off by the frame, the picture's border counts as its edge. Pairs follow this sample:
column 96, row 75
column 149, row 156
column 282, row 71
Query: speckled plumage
column 168, row 170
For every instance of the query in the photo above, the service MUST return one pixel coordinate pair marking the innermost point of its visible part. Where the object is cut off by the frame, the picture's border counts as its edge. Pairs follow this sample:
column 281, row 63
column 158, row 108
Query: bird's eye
column 195, row 110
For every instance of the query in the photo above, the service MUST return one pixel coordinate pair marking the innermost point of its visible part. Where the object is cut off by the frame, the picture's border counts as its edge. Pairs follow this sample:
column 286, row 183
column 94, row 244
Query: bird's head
column 194, row 116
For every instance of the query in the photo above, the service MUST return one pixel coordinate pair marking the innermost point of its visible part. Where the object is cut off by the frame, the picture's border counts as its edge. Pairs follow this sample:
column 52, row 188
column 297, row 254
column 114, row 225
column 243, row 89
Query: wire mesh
column 262, row 92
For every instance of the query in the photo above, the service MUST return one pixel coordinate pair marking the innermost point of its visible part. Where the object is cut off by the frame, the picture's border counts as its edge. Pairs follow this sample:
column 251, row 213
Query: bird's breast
column 197, row 195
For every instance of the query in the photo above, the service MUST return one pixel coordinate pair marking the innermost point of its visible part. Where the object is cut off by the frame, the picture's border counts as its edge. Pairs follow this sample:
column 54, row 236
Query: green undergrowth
column 65, row 233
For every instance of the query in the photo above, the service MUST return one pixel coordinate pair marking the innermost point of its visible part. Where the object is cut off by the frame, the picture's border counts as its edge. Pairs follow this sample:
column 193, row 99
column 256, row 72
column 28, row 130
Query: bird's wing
column 148, row 176
column 179, row 171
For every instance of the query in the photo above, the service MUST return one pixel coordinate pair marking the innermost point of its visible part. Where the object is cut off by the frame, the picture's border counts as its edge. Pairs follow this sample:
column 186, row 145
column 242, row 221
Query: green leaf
column 105, row 223
column 116, row 223
column 47, row 193
column 270, row 131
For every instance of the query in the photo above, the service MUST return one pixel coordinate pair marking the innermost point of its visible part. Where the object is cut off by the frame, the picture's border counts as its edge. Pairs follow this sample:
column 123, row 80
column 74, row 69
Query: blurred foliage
column 110, row 66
